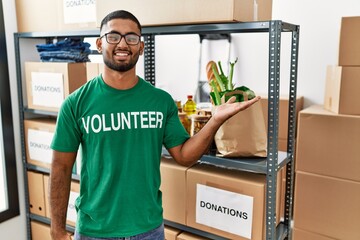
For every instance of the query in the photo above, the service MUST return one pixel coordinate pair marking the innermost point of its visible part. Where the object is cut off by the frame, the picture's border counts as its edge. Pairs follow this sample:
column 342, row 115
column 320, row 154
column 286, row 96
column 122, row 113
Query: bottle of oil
column 190, row 106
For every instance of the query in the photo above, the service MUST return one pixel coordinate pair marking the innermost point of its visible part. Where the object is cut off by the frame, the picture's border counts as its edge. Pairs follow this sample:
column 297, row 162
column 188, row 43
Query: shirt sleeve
column 175, row 133
column 67, row 134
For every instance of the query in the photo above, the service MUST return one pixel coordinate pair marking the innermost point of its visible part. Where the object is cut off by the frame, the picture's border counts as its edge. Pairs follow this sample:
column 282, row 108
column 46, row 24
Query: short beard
column 121, row 67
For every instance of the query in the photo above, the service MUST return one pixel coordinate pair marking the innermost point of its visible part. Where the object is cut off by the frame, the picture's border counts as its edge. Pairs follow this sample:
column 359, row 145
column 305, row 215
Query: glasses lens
column 132, row 39
column 113, row 38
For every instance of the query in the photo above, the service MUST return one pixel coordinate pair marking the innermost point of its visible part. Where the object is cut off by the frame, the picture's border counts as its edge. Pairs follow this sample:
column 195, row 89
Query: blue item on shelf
column 67, row 50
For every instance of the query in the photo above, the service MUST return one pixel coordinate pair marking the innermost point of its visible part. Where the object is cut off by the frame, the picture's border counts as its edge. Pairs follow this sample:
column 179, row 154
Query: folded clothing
column 67, row 50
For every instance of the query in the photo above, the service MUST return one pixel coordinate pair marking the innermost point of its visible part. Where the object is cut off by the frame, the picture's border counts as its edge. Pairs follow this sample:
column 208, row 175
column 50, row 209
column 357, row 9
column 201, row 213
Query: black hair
column 122, row 14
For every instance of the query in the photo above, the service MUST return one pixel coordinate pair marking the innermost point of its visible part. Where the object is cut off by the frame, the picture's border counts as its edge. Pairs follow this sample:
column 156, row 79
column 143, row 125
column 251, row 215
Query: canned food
column 197, row 123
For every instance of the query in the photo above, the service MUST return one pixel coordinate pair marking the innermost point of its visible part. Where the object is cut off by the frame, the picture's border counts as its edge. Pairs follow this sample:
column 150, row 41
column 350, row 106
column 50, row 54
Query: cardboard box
column 40, row 231
column 171, row 233
column 282, row 199
column 71, row 214
column 327, row 206
column 47, row 201
column 49, row 83
column 58, row 15
column 349, row 50
column 299, row 234
column 227, row 203
column 36, row 193
column 161, row 12
column 282, row 193
column 341, row 90
column 173, row 188
column 190, row 236
column 328, row 143
column 93, row 70
column 38, row 136
column 282, row 144
column 283, row 116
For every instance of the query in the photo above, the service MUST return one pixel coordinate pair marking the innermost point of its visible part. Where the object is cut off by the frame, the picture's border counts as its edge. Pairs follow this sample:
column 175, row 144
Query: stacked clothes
column 67, row 50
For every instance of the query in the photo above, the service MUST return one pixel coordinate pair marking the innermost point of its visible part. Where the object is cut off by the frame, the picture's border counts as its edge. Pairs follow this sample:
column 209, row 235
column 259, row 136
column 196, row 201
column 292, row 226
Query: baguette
column 209, row 71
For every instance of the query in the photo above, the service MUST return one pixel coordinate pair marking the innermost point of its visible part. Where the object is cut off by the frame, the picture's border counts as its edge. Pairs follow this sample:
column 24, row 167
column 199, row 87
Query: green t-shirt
column 121, row 133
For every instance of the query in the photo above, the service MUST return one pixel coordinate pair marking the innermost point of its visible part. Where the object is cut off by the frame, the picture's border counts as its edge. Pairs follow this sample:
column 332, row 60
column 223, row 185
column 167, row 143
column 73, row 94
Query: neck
column 120, row 80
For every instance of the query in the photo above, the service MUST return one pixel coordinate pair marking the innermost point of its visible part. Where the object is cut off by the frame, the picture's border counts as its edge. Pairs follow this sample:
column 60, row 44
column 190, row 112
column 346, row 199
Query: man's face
column 122, row 56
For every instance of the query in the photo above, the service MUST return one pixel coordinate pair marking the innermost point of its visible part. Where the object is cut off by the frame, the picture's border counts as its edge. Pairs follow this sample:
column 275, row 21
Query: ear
column 142, row 45
column 99, row 45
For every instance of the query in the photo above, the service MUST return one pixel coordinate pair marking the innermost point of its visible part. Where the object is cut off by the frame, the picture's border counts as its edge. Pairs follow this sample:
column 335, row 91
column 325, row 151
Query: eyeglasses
column 115, row 38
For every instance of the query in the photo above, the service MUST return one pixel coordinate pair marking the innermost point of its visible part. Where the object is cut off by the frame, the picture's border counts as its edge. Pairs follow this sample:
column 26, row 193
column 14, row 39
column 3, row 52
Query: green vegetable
column 248, row 91
column 215, row 95
column 221, row 84
column 218, row 78
column 223, row 78
column 230, row 84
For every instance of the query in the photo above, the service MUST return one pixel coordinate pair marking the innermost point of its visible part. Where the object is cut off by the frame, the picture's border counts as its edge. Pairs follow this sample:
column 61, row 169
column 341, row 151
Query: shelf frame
column 269, row 165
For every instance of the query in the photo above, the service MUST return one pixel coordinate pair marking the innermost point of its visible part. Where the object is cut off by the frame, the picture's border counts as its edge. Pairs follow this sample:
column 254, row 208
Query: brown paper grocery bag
column 243, row 135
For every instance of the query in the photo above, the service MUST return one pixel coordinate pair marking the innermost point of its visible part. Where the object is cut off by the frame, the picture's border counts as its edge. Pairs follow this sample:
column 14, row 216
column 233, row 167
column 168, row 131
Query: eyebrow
column 125, row 33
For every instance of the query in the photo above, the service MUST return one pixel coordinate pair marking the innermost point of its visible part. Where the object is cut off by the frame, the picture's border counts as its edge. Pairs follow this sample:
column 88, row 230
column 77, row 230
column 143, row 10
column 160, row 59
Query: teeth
column 121, row 54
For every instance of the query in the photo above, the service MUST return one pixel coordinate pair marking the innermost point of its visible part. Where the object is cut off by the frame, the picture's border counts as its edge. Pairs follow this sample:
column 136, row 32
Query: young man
column 121, row 123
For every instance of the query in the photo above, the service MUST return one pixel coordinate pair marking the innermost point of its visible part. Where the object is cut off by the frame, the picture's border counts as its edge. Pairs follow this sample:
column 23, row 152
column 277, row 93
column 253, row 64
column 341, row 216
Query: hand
column 230, row 108
column 61, row 236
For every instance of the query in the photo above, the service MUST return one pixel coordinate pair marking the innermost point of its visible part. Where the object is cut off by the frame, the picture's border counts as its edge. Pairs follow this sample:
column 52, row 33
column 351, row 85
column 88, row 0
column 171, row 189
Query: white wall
column 318, row 47
column 15, row 228
column 319, row 22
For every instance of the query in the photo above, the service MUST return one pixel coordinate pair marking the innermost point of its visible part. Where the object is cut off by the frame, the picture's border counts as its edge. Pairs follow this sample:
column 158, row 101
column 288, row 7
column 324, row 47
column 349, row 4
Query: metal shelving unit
column 268, row 166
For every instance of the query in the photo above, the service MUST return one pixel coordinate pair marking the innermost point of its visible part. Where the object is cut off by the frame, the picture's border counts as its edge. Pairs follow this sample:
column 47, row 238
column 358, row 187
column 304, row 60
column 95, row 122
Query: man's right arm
column 59, row 189
column 191, row 150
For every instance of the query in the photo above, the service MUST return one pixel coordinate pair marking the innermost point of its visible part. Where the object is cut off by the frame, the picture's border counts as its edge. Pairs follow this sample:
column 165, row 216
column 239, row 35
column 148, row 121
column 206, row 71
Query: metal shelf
column 232, row 27
column 46, row 220
column 35, row 168
column 89, row 33
column 254, row 164
column 269, row 165
column 40, row 112
column 257, row 165
column 229, row 27
column 281, row 231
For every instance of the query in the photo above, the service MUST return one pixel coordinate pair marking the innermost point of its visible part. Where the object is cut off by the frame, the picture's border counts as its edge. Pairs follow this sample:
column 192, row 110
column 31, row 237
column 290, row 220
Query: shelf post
column 273, row 126
column 291, row 131
column 22, row 132
column 149, row 58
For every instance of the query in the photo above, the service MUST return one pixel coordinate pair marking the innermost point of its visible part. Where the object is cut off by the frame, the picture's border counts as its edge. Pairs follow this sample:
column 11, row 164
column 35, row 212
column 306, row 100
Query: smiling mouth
column 122, row 54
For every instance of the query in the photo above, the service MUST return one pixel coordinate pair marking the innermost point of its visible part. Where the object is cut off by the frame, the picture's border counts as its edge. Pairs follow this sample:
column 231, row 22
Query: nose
column 122, row 41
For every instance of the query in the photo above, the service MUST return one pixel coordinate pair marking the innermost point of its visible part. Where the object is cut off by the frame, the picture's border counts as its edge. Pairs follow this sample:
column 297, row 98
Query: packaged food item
column 184, row 119
column 178, row 105
column 197, row 123
column 190, row 106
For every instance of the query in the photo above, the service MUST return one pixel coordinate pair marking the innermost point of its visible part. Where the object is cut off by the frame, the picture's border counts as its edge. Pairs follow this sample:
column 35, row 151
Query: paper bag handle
column 246, row 97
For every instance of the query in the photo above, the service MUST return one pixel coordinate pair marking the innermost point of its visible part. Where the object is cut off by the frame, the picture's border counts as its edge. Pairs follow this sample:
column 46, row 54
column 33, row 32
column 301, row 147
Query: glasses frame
column 121, row 37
